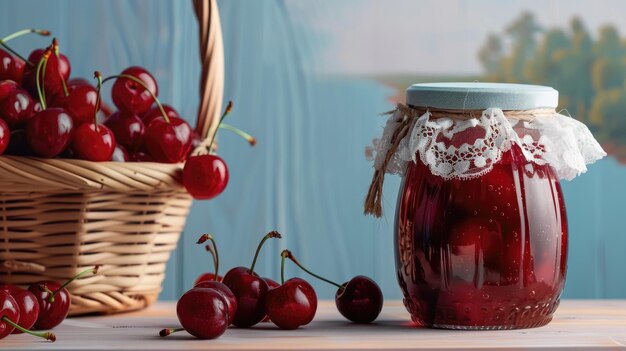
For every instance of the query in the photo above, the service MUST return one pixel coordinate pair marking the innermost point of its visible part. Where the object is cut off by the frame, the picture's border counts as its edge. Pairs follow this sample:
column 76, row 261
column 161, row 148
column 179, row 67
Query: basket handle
column 212, row 60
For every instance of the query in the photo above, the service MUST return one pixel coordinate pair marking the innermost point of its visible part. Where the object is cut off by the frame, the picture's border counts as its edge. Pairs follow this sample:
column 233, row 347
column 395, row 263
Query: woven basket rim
column 33, row 174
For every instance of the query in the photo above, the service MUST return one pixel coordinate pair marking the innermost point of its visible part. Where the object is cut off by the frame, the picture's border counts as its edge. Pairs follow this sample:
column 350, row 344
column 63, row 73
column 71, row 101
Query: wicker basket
column 60, row 216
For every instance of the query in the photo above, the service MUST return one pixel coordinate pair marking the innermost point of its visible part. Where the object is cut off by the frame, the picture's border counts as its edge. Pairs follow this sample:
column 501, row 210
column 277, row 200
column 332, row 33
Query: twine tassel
column 373, row 200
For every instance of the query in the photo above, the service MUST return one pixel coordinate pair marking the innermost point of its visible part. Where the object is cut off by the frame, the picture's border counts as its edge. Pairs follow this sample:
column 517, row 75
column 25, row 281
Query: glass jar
column 483, row 253
column 481, row 227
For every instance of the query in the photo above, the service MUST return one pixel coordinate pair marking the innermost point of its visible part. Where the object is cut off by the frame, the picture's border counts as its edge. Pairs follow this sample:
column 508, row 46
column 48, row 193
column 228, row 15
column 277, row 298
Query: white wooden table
column 579, row 325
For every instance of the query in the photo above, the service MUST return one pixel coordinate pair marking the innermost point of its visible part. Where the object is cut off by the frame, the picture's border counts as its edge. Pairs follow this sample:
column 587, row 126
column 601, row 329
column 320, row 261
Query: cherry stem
column 55, row 46
column 282, row 266
column 41, row 67
column 167, row 331
column 209, row 249
column 249, row 138
column 229, row 108
column 140, row 82
column 93, row 270
column 213, row 251
column 42, row 32
column 289, row 255
column 45, row 335
column 98, row 76
column 272, row 234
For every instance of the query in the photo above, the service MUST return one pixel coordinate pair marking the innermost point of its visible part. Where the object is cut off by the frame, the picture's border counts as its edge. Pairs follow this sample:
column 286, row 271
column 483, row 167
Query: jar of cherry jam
column 481, row 227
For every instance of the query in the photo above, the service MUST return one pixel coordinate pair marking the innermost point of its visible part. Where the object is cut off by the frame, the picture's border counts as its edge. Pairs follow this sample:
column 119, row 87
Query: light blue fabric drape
column 307, row 176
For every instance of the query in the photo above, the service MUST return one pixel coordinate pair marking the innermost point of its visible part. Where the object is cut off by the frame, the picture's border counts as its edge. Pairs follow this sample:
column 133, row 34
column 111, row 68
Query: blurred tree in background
column 590, row 73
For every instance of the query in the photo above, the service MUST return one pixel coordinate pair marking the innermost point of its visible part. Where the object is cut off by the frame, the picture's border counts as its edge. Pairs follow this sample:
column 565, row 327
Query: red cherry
column 205, row 176
column 10, row 314
column 212, row 250
column 230, row 298
column 53, row 313
column 140, row 156
column 7, row 87
column 129, row 96
column 79, row 103
column 168, row 142
column 360, row 300
column 292, row 304
column 5, row 136
column 155, row 112
column 271, row 284
column 54, row 300
column 94, row 142
column 129, row 130
column 474, row 235
column 11, row 64
column 249, row 289
column 215, row 284
column 77, row 82
column 207, row 277
column 203, row 313
column 11, row 67
column 120, row 154
column 9, row 310
column 49, row 132
column 26, row 303
column 57, row 71
column 18, row 107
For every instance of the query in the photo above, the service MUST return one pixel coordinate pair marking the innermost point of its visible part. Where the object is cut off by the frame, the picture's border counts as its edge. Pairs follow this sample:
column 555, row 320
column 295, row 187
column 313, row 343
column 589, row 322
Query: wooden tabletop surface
column 578, row 325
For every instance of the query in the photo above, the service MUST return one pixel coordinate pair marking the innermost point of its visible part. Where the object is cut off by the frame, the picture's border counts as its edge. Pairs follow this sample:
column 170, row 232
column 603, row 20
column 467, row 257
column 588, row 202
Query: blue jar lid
column 480, row 96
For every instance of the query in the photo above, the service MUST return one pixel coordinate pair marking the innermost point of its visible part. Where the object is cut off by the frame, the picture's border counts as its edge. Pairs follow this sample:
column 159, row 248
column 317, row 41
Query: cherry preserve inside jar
column 481, row 227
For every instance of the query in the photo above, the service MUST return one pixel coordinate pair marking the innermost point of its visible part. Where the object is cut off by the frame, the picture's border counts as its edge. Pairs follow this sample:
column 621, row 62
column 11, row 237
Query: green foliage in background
column 589, row 72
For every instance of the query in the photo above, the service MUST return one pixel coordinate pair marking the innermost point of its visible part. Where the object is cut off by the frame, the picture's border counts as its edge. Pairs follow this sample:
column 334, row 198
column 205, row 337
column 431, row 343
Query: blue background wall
column 308, row 175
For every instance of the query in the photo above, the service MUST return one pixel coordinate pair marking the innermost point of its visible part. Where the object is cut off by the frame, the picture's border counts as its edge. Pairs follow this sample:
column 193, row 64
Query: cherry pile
column 243, row 298
column 42, row 306
column 44, row 113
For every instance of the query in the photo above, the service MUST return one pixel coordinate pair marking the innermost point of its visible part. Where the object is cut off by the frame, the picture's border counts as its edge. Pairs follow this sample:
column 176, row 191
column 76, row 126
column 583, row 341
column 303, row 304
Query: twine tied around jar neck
column 373, row 200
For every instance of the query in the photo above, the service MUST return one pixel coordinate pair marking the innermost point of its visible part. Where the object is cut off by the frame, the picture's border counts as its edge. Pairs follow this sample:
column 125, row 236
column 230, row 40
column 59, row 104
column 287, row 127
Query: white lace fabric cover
column 461, row 149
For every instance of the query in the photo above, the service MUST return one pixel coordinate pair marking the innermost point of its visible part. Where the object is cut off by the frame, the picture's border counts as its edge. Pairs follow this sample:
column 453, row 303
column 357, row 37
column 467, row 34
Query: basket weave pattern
column 61, row 216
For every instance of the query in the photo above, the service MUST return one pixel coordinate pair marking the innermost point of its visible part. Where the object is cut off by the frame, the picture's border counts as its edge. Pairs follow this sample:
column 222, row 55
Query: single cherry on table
column 249, row 289
column 54, row 300
column 293, row 303
column 202, row 312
